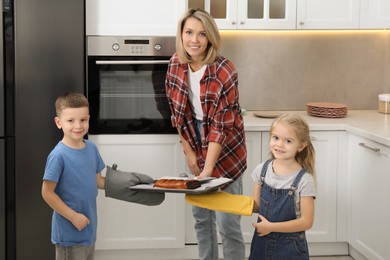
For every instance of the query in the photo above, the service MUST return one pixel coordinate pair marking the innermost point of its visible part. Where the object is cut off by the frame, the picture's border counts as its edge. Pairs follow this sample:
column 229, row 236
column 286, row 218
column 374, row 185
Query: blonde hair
column 212, row 34
column 306, row 157
column 70, row 100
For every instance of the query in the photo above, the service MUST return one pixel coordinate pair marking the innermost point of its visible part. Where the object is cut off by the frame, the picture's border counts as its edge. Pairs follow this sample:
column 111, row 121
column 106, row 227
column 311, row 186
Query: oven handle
column 131, row 62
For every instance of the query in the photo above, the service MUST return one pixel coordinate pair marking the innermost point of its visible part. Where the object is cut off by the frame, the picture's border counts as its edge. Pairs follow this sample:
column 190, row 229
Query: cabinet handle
column 242, row 22
column 131, row 62
column 313, row 139
column 301, row 23
column 234, row 23
column 377, row 150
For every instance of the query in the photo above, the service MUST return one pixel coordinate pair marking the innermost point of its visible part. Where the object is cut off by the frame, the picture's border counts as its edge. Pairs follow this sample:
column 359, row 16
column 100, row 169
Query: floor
column 331, row 258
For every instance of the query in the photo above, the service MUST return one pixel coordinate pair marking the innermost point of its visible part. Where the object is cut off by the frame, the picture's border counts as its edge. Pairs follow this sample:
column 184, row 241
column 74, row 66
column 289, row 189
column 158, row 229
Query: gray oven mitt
column 118, row 183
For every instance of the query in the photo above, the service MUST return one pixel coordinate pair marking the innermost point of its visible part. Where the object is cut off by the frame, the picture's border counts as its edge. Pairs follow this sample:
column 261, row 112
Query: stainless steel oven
column 125, row 84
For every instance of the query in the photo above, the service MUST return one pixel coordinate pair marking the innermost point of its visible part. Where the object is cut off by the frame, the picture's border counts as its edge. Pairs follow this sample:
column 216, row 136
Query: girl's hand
column 263, row 227
column 80, row 221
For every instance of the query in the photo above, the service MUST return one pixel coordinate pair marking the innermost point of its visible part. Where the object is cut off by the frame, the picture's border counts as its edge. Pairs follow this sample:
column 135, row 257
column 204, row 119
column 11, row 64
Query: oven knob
column 157, row 47
column 115, row 46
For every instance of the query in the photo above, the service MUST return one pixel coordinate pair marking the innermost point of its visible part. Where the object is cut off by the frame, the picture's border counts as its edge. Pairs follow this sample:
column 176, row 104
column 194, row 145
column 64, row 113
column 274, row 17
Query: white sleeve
column 256, row 173
column 307, row 185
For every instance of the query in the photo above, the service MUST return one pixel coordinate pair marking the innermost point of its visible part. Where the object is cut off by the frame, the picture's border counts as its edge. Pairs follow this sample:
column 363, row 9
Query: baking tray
column 207, row 185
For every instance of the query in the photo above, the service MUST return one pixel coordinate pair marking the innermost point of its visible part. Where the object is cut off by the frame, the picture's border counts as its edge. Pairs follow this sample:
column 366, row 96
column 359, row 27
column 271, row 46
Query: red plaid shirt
column 222, row 120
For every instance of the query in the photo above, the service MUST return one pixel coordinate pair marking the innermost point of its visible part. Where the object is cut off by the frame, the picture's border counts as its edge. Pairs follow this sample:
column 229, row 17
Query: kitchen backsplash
column 284, row 70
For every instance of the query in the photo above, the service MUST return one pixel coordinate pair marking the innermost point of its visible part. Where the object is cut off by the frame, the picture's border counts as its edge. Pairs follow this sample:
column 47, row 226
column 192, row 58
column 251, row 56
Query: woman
column 201, row 87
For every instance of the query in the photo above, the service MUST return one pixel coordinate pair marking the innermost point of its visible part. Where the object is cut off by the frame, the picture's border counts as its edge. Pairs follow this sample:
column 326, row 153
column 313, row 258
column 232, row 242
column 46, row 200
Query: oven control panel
column 130, row 46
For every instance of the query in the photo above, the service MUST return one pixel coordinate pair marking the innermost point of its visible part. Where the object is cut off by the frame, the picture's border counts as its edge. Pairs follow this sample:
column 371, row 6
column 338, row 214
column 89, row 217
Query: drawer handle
column 377, row 150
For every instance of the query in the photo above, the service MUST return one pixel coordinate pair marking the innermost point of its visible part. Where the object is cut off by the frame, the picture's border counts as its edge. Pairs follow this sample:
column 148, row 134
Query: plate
column 266, row 115
column 207, row 185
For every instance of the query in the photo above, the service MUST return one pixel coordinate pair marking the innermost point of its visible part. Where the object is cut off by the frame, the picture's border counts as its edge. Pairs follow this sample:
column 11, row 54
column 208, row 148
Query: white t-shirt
column 194, row 90
column 306, row 186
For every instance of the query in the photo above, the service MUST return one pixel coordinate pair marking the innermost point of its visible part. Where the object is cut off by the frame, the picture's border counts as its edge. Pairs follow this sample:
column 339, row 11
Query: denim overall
column 277, row 205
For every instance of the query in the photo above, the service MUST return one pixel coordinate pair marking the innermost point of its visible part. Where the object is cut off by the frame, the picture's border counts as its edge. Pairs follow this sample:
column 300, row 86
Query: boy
column 72, row 178
column 71, row 181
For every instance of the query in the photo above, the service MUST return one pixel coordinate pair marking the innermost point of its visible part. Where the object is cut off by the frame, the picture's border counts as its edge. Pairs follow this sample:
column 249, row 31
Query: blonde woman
column 201, row 87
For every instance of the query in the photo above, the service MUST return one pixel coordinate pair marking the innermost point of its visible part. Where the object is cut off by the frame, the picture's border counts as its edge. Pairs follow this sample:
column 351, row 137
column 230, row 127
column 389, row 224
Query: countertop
column 366, row 123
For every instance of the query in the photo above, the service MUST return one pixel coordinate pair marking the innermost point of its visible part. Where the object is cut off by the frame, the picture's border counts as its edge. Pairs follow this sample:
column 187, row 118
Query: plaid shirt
column 222, row 120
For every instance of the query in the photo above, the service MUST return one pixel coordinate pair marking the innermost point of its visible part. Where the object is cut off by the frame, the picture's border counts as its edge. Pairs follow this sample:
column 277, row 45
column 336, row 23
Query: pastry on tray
column 177, row 184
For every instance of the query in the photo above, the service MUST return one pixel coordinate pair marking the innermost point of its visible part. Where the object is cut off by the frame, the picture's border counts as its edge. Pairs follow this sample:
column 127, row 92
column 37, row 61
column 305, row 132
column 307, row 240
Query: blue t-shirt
column 74, row 171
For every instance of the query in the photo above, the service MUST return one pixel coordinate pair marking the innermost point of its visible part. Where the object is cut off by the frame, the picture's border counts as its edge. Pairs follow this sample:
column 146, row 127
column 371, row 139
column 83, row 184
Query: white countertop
column 366, row 123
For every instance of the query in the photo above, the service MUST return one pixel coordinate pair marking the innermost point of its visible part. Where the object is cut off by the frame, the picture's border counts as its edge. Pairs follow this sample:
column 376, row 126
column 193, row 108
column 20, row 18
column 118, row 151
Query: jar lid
column 384, row 97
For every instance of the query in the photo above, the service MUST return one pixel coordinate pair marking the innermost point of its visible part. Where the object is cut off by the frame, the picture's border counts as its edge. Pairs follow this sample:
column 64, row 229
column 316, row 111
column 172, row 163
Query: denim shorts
column 75, row 252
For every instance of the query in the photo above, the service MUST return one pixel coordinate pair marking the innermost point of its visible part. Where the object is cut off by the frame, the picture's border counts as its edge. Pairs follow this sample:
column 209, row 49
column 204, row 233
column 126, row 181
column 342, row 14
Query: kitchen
column 348, row 66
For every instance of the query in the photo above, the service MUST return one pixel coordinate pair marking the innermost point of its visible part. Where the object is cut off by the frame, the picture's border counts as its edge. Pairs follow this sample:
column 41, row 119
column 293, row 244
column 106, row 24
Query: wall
column 283, row 70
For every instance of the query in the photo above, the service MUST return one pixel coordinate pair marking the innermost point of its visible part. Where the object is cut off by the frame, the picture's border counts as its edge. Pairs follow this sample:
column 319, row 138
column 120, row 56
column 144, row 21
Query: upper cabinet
column 374, row 14
column 250, row 14
column 136, row 18
column 160, row 17
column 328, row 14
column 297, row 14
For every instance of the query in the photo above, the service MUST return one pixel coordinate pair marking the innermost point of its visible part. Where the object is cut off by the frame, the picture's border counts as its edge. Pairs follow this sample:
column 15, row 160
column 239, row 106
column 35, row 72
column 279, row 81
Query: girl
column 284, row 193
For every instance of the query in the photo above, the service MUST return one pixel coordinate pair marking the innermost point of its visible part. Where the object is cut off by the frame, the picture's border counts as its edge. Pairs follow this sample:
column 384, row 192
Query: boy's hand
column 118, row 183
column 80, row 221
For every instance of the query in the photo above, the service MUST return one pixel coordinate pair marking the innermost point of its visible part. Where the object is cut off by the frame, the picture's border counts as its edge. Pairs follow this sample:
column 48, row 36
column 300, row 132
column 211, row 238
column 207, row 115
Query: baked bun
column 177, row 184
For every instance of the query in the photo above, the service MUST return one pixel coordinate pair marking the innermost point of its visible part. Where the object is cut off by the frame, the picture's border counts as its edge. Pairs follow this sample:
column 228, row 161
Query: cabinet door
column 124, row 225
column 326, row 147
column 250, row 14
column 253, row 142
column 374, row 14
column 223, row 11
column 328, row 14
column 253, row 146
column 135, row 18
column 369, row 175
column 266, row 14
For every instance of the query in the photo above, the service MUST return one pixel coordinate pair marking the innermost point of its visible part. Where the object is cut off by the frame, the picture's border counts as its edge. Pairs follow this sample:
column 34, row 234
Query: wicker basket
column 328, row 110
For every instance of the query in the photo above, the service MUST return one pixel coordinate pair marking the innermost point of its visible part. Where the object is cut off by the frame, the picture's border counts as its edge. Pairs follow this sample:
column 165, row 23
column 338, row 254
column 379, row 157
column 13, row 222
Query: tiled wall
column 283, row 70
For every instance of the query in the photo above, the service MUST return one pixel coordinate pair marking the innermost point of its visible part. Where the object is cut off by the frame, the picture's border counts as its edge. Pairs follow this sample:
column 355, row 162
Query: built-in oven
column 125, row 84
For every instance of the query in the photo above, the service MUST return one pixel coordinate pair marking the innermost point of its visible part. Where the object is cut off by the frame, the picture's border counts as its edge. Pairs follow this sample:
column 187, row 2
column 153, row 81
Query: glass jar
column 384, row 103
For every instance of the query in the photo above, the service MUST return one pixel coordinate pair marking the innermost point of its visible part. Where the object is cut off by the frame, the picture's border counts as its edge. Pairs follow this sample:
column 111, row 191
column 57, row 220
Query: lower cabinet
column 124, row 225
column 369, row 175
column 169, row 227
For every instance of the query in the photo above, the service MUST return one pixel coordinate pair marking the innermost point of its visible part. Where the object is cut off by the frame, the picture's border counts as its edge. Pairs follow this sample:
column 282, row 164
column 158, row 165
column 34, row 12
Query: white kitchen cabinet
column 328, row 14
column 135, row 18
column 253, row 145
column 124, row 225
column 369, row 175
column 326, row 145
column 374, row 14
column 250, row 14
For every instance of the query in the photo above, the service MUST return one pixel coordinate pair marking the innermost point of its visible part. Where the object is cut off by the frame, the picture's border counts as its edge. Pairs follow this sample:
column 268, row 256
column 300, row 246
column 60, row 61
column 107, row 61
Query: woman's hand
column 192, row 162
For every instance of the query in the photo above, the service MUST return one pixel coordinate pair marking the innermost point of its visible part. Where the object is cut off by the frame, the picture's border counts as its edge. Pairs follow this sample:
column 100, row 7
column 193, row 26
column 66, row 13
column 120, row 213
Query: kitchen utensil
column 211, row 185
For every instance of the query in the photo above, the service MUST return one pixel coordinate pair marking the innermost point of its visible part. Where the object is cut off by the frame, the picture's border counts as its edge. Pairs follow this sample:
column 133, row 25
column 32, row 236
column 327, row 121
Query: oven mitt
column 118, row 183
column 223, row 201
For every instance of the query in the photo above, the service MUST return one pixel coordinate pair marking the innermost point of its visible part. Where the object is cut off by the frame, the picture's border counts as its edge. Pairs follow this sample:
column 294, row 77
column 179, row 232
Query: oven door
column 127, row 95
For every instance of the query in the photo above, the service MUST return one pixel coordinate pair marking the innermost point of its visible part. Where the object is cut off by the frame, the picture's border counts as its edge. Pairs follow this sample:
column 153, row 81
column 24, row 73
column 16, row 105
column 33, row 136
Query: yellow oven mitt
column 222, row 201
